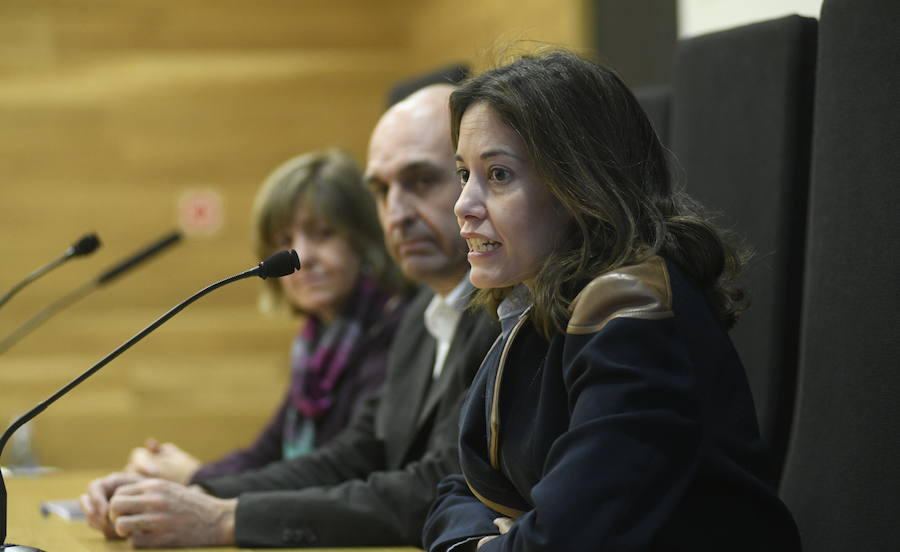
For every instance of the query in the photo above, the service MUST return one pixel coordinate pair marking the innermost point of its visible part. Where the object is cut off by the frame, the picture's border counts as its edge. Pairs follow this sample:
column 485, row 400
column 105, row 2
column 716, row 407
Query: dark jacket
column 633, row 431
column 361, row 380
column 373, row 484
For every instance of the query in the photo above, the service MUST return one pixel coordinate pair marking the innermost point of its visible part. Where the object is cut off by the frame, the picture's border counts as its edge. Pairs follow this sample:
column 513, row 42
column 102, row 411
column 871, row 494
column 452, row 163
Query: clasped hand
column 163, row 460
column 155, row 513
column 504, row 524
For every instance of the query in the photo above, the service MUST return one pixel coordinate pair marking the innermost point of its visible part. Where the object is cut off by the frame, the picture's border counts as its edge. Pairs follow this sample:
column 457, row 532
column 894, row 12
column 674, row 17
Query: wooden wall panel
column 447, row 32
column 109, row 111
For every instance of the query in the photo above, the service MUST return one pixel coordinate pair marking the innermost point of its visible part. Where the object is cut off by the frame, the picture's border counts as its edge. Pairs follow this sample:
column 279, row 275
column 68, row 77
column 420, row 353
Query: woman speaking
column 613, row 413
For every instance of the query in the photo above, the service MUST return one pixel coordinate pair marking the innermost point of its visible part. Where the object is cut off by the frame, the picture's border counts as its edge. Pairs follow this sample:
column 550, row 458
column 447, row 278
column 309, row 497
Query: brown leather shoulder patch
column 635, row 291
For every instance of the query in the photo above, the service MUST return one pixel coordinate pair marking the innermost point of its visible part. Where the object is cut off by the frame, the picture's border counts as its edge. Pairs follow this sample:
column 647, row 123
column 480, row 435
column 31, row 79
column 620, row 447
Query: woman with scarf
column 349, row 294
column 613, row 412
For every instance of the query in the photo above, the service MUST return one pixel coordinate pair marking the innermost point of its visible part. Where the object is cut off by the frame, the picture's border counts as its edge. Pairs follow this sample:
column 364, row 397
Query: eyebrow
column 494, row 153
column 412, row 167
column 417, row 166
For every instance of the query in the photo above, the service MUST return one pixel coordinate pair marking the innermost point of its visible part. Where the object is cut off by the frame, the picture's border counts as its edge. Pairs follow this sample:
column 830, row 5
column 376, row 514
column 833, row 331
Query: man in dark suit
column 374, row 483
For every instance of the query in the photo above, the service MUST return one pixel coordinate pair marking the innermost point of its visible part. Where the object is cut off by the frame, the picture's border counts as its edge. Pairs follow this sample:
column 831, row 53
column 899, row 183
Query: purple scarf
column 319, row 356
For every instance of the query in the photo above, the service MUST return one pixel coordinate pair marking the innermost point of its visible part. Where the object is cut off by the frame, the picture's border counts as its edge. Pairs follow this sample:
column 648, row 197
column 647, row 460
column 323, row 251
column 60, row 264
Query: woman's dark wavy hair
column 597, row 153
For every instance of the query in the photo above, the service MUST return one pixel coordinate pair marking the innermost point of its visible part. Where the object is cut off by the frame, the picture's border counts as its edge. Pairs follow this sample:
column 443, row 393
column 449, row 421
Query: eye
column 463, row 175
column 283, row 241
column 499, row 174
column 423, row 182
column 322, row 233
column 378, row 189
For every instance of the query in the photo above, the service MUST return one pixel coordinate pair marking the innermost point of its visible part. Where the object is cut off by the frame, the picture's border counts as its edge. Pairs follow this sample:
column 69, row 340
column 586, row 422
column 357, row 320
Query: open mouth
column 481, row 245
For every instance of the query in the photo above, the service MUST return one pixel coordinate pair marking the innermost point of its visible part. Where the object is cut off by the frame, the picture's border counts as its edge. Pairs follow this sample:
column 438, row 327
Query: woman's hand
column 163, row 461
column 503, row 524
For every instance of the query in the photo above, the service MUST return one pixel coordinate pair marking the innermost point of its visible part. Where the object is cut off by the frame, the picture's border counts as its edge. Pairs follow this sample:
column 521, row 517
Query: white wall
column 704, row 16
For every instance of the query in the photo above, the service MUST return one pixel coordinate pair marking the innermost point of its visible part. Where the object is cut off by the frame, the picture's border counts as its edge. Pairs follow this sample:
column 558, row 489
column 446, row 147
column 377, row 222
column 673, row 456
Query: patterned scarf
column 319, row 356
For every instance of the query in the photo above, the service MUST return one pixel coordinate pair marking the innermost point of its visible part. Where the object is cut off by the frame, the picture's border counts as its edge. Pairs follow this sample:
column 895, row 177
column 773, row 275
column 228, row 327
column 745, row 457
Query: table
column 26, row 525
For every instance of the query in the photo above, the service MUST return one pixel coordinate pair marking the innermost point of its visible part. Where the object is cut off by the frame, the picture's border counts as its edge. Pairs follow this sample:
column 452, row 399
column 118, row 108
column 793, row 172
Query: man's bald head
column 421, row 119
column 412, row 173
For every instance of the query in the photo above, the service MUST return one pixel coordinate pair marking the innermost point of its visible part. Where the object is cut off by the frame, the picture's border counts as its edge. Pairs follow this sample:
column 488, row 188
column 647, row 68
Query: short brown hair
column 329, row 185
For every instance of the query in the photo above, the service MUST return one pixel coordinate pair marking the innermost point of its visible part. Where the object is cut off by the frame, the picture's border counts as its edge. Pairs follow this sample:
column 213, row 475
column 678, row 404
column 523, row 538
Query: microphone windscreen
column 278, row 265
column 86, row 245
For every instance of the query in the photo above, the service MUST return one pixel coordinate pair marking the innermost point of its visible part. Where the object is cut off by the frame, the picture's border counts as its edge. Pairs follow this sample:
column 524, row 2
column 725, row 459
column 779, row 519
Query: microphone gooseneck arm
column 32, row 277
column 23, row 419
column 139, row 257
column 84, row 246
column 280, row 264
column 46, row 313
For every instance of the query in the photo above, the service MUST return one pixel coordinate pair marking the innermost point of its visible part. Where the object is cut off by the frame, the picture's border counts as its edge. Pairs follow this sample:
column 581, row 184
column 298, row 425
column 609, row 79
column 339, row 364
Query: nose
column 470, row 205
column 400, row 207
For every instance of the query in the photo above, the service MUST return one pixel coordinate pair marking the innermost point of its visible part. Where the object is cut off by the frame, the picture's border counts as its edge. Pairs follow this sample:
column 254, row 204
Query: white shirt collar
column 443, row 312
column 442, row 316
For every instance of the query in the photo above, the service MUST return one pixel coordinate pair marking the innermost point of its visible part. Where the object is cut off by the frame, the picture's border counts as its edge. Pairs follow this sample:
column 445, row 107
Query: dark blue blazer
column 634, row 430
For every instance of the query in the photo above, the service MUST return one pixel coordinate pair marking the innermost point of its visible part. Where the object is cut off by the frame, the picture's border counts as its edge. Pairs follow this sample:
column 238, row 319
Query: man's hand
column 162, row 460
column 503, row 524
column 95, row 503
column 154, row 513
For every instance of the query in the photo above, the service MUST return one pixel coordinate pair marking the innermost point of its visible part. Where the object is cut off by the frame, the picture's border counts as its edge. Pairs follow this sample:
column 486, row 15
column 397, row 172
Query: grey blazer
column 373, row 484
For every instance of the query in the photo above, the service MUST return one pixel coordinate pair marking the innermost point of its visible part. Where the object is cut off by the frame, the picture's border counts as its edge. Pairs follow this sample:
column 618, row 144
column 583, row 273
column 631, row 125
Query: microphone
column 86, row 245
column 106, row 277
column 279, row 264
column 137, row 258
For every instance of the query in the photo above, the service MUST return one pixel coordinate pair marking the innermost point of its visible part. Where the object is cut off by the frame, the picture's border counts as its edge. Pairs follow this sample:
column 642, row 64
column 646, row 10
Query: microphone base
column 18, row 548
